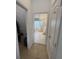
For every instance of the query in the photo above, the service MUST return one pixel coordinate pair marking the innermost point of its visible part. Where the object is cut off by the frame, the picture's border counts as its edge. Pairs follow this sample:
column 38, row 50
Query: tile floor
column 37, row 51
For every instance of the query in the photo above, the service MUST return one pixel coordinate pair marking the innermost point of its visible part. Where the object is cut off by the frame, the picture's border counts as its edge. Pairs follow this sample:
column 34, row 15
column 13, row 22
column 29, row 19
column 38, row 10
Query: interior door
column 53, row 31
column 56, row 32
column 21, row 18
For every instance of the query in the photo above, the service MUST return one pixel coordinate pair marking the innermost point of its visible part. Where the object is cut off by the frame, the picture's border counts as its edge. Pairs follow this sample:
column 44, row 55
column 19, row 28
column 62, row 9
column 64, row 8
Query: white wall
column 40, row 5
column 29, row 22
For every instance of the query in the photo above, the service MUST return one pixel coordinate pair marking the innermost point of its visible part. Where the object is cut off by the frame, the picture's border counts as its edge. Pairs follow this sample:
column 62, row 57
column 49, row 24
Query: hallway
column 37, row 51
column 41, row 32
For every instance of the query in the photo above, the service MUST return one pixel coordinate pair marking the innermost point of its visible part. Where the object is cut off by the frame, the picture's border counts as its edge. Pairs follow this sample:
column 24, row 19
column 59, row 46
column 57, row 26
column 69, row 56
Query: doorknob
column 49, row 36
column 55, row 44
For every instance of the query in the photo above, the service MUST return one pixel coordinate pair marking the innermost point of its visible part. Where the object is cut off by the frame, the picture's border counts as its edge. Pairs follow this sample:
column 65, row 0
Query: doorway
column 40, row 24
column 21, row 14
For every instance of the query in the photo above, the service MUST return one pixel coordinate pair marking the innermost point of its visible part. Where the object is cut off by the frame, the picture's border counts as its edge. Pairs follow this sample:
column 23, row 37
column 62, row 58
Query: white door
column 57, row 28
column 53, row 31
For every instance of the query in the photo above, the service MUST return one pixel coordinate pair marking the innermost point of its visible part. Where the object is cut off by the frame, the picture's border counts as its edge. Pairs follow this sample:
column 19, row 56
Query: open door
column 53, row 32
